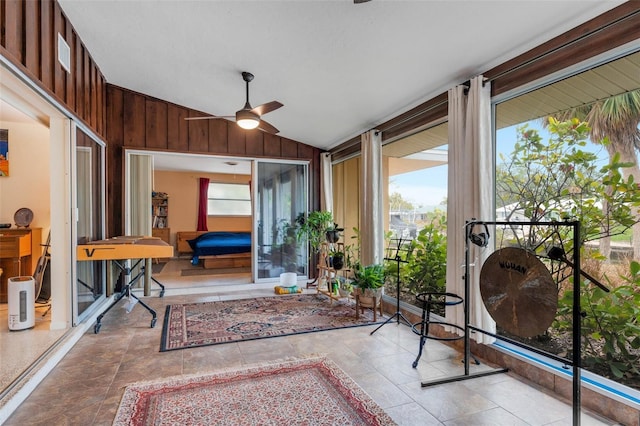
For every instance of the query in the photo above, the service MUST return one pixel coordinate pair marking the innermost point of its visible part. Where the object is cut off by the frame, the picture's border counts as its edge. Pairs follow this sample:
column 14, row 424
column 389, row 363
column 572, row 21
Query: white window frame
column 219, row 201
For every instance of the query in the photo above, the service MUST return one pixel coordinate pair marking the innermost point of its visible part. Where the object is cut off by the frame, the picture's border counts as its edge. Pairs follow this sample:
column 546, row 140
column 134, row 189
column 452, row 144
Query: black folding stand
column 576, row 359
column 397, row 258
column 126, row 291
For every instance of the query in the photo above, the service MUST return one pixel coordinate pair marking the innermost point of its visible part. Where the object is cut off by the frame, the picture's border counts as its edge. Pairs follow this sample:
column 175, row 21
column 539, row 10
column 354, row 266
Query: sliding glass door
column 90, row 224
column 281, row 197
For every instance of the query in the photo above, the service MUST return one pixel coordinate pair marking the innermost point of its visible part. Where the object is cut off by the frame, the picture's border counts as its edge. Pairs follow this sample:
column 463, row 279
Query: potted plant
column 370, row 283
column 345, row 288
column 336, row 259
column 333, row 233
column 314, row 227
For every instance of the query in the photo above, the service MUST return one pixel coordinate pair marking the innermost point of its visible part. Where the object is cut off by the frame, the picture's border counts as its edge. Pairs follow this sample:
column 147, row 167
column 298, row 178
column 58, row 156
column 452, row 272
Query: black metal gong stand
column 576, row 359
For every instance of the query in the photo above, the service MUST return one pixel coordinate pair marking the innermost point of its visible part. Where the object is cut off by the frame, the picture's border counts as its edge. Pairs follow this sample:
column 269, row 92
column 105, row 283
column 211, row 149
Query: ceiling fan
column 248, row 117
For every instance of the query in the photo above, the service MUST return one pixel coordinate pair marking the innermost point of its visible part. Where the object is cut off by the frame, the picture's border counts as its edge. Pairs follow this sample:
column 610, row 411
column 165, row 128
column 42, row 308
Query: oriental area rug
column 311, row 391
column 209, row 323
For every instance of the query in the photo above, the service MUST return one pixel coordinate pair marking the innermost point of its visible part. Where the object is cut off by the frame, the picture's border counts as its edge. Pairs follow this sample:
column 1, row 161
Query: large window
column 415, row 207
column 568, row 151
column 229, row 199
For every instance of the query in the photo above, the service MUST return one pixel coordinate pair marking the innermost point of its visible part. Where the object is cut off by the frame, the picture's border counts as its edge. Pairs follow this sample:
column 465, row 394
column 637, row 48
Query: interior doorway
column 278, row 194
column 34, row 134
column 169, row 184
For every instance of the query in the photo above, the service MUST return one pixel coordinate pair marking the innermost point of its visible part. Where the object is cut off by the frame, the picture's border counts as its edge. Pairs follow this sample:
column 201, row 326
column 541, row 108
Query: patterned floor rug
column 310, row 391
column 210, row 323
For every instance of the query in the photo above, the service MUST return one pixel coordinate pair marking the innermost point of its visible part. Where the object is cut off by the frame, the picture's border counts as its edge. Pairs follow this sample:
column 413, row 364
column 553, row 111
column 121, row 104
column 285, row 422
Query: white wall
column 29, row 174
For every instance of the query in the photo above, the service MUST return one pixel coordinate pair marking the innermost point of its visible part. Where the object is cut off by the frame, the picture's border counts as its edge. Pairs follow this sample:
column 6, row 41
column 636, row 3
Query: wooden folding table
column 120, row 250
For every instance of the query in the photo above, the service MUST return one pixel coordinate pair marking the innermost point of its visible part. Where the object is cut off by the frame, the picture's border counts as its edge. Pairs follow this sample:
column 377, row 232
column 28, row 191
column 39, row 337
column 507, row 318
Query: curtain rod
column 528, row 62
column 563, row 46
column 381, row 129
column 416, row 114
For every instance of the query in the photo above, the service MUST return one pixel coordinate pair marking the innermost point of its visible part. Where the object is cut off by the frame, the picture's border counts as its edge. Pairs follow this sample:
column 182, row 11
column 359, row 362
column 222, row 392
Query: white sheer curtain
column 139, row 197
column 458, row 181
column 478, row 135
column 326, row 186
column 470, row 195
column 371, row 220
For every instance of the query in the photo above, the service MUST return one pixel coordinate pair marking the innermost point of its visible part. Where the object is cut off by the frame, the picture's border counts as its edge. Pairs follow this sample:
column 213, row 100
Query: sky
column 428, row 187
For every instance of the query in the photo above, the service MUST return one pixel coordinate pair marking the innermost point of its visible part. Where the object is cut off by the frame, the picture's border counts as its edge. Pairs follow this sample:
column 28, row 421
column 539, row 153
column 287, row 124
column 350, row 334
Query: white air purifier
column 21, row 303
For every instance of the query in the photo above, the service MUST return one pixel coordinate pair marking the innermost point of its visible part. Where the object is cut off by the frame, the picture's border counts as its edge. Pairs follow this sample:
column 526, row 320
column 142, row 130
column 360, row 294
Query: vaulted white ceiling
column 339, row 68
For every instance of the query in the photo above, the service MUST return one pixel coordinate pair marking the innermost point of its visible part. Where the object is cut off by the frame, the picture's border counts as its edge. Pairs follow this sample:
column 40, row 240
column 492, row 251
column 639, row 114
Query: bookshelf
column 160, row 211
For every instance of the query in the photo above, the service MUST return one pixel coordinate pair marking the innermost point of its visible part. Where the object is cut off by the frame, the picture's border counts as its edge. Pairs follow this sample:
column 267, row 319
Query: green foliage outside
column 558, row 180
column 426, row 263
column 283, row 249
column 610, row 328
column 397, row 203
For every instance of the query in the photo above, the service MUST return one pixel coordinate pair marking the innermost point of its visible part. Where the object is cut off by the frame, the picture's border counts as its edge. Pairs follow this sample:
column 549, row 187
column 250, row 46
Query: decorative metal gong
column 518, row 291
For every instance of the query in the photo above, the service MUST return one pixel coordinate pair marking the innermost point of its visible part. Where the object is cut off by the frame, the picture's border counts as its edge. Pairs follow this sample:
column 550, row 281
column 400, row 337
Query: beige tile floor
column 86, row 386
column 32, row 343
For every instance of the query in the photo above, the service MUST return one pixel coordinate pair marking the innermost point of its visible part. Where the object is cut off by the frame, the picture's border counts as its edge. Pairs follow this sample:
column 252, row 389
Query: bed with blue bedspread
column 220, row 243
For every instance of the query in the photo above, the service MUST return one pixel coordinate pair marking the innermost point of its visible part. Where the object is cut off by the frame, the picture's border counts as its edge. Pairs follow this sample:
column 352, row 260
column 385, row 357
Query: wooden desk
column 20, row 249
column 119, row 250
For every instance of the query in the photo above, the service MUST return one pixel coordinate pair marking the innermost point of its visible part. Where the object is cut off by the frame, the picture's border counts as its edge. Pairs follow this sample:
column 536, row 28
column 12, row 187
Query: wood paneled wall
column 613, row 28
column 29, row 39
column 138, row 121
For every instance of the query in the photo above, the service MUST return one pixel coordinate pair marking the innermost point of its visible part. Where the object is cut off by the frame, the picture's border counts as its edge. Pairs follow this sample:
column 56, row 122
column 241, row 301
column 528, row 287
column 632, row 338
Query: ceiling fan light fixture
column 250, row 118
column 247, row 119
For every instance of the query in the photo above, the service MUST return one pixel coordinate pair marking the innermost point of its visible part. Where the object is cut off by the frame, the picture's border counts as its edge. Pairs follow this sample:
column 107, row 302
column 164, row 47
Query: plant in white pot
column 344, row 287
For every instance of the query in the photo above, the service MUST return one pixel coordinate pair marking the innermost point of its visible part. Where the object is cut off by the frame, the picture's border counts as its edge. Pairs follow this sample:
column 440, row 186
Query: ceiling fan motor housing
column 247, row 119
column 247, row 76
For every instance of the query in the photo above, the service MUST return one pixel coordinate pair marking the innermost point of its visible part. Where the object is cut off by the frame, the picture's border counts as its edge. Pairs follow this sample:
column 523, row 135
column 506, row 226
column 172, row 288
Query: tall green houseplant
column 314, row 227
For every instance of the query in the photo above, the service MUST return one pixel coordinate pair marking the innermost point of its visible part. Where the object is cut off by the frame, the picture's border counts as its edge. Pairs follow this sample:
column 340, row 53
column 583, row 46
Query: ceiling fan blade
column 210, row 117
column 268, row 107
column 266, row 127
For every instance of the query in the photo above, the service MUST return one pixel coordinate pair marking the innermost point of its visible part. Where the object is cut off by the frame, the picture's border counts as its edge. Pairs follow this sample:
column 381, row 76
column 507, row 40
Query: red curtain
column 202, row 205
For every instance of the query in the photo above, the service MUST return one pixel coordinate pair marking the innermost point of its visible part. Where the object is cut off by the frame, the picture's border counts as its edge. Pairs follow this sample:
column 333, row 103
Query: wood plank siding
column 142, row 122
column 599, row 35
column 29, row 37
column 29, row 40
